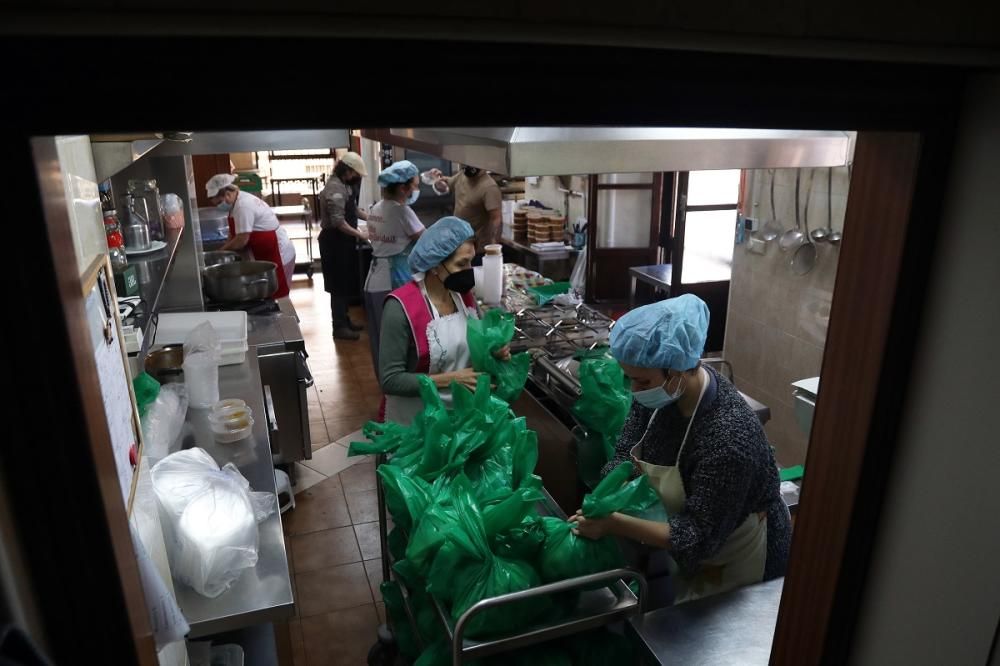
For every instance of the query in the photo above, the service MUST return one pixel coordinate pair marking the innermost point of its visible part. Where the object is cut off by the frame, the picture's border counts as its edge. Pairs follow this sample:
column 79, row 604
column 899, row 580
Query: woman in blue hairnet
column 424, row 321
column 392, row 229
column 704, row 451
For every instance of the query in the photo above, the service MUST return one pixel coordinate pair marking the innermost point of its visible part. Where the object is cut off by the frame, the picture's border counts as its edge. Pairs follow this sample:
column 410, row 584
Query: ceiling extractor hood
column 556, row 151
column 206, row 143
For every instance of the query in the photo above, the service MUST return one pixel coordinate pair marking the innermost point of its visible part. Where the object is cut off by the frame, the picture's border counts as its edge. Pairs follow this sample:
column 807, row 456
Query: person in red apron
column 703, row 450
column 253, row 226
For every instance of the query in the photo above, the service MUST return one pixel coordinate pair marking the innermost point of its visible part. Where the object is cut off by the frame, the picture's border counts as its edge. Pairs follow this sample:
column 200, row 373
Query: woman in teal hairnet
column 704, row 451
column 424, row 321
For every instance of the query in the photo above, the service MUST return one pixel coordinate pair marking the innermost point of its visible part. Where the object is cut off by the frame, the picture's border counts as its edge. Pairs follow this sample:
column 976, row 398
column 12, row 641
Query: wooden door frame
column 655, row 188
column 829, row 559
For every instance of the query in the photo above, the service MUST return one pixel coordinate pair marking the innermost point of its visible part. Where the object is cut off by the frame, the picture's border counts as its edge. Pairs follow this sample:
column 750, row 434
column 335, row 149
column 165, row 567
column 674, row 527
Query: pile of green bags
column 461, row 489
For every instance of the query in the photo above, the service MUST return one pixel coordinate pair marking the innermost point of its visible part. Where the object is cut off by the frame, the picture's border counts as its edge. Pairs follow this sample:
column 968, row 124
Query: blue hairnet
column 438, row 242
column 398, row 172
column 668, row 334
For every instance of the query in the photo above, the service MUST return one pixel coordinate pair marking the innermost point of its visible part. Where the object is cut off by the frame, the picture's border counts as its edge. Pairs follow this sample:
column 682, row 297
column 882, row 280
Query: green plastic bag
column 146, row 389
column 402, row 628
column 466, row 571
column 406, row 496
column 437, row 521
column 546, row 292
column 617, row 493
column 523, row 541
column 488, row 335
column 396, row 540
column 605, row 398
column 565, row 555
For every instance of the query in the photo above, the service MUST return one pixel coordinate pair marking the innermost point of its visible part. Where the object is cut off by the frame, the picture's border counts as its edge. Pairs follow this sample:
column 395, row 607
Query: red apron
column 264, row 247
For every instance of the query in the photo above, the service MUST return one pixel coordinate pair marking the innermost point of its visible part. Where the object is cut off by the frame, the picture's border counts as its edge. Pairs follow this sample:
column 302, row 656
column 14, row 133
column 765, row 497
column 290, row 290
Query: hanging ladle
column 821, row 234
column 835, row 236
column 771, row 229
column 804, row 259
column 792, row 238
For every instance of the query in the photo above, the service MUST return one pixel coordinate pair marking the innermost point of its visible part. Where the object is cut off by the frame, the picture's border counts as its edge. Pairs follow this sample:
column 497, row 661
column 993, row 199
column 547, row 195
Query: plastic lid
column 494, row 249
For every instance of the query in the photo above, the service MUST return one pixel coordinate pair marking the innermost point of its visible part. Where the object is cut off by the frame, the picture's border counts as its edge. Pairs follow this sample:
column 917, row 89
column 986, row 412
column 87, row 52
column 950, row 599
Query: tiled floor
column 332, row 534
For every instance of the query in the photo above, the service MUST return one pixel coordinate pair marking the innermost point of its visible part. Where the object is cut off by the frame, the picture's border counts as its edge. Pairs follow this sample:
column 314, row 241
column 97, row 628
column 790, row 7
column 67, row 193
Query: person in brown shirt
column 477, row 201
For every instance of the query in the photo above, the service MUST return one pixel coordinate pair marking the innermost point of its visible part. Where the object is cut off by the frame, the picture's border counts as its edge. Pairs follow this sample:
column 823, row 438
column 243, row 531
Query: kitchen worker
column 704, row 451
column 424, row 321
column 253, row 227
column 338, row 241
column 393, row 227
column 477, row 200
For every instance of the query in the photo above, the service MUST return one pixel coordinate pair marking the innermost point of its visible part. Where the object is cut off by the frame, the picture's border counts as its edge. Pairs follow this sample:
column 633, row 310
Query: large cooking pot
column 241, row 281
column 217, row 257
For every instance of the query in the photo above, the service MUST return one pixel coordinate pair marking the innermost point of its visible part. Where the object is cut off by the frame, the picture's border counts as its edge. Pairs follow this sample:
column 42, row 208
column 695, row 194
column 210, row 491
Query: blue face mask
column 414, row 195
column 224, row 207
column 657, row 398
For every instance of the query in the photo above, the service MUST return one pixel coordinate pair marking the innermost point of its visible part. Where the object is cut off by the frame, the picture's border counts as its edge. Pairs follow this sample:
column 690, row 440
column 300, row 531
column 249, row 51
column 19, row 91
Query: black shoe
column 345, row 333
column 355, row 327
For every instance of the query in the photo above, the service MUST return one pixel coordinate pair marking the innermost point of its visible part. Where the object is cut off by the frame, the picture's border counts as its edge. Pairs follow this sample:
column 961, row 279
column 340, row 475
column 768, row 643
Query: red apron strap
column 264, row 247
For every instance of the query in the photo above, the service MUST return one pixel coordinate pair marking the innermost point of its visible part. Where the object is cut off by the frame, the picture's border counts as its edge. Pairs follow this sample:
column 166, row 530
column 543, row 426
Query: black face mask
column 460, row 281
column 471, row 172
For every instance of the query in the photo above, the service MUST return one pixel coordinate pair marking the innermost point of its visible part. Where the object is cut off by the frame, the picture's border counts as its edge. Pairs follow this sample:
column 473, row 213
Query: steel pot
column 240, row 281
column 220, row 257
column 165, row 362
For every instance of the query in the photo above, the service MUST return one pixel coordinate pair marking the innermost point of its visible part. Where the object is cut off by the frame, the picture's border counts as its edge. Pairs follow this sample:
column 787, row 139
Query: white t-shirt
column 390, row 225
column 253, row 214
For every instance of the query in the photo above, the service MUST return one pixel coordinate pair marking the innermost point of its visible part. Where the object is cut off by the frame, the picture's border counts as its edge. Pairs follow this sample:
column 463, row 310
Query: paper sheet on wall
column 114, row 380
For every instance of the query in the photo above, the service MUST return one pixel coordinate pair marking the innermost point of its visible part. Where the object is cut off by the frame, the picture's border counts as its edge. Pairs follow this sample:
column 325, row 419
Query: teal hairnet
column 438, row 243
column 398, row 172
column 669, row 334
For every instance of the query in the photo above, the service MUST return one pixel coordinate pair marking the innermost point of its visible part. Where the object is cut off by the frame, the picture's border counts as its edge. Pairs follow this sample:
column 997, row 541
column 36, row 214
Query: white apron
column 449, row 351
column 741, row 559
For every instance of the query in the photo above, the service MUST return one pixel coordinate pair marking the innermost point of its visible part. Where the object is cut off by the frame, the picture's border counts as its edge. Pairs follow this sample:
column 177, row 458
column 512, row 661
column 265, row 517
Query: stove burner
column 559, row 330
column 258, row 307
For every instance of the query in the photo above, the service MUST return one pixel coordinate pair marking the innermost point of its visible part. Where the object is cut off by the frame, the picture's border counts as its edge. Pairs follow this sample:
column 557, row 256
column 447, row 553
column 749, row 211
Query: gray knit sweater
column 727, row 468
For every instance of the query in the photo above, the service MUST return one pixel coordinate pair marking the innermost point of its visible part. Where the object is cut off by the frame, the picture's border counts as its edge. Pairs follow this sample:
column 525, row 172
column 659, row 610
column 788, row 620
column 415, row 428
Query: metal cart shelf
column 306, row 212
column 613, row 602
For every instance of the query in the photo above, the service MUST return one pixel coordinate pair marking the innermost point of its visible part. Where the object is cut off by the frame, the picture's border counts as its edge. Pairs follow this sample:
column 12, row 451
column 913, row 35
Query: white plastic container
column 492, row 275
column 174, row 327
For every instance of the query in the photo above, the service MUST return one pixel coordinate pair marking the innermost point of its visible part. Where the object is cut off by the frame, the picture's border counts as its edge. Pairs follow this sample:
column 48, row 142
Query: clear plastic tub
column 227, row 403
column 227, row 435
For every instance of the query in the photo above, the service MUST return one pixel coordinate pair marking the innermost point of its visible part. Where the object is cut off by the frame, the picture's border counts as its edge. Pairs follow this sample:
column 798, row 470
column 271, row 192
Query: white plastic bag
column 202, row 353
column 210, row 518
column 578, row 278
column 164, row 421
column 173, row 211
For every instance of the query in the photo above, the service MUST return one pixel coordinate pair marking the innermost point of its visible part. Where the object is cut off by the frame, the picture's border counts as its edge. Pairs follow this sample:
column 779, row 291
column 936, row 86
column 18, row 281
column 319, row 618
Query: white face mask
column 657, row 397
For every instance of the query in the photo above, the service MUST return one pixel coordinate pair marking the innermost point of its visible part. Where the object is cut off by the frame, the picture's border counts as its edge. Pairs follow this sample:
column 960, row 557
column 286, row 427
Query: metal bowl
column 241, row 281
column 164, row 362
column 218, row 257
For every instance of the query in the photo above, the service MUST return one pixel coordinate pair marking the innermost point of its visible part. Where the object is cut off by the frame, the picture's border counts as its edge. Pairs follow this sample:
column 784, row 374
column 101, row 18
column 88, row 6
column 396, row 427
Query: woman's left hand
column 591, row 528
column 502, row 354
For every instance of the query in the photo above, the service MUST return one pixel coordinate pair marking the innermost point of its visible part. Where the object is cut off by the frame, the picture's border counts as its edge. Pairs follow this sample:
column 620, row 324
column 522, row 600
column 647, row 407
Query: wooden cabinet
column 206, row 166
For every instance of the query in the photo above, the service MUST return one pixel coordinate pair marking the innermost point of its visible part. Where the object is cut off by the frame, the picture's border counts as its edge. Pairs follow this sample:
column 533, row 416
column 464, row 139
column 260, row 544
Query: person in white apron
column 703, row 450
column 424, row 321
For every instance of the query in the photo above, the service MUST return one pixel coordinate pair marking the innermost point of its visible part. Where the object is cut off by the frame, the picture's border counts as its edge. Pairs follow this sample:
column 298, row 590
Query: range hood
column 557, row 151
column 209, row 143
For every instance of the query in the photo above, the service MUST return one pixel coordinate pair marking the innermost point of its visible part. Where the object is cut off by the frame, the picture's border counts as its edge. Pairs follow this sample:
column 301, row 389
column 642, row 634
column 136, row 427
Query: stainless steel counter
column 264, row 593
column 735, row 627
